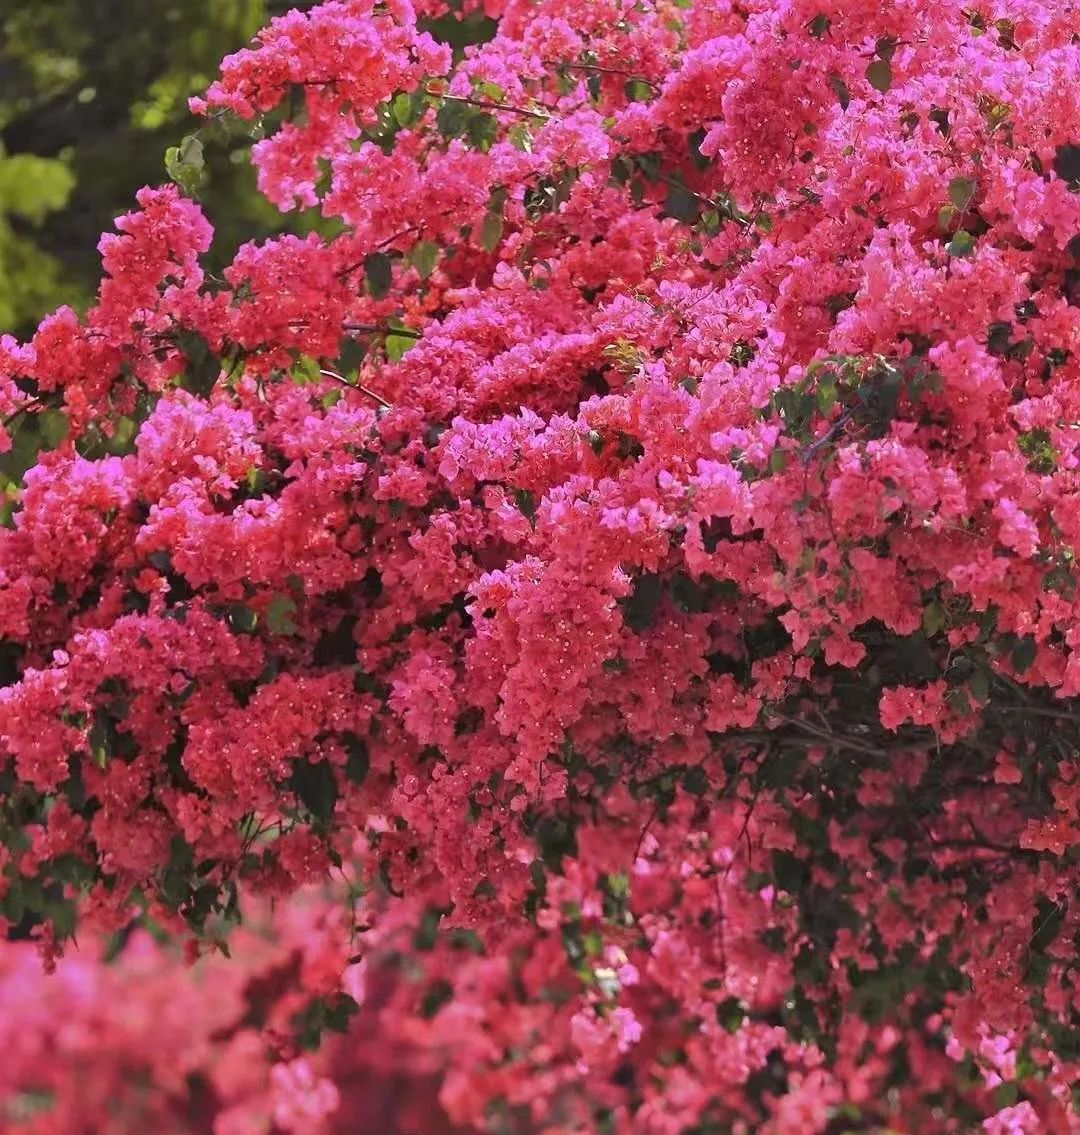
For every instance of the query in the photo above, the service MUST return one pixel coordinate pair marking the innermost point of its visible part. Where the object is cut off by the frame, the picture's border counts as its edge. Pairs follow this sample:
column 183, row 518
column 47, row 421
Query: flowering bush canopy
column 604, row 605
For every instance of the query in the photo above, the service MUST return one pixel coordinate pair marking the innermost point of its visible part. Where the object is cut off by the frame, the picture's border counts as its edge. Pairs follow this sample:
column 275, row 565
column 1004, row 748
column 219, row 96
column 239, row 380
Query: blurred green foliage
column 93, row 105
column 92, row 92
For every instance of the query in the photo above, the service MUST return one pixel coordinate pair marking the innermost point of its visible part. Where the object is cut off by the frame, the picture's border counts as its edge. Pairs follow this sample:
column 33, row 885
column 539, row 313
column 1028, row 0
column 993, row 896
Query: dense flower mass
column 603, row 605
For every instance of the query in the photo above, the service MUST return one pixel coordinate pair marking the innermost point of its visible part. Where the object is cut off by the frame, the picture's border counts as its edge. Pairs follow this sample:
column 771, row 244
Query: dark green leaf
column 379, row 273
column 640, row 609
column 1023, row 655
column 316, row 786
column 879, row 75
column 934, row 618
column 452, row 118
column 203, row 366
column 682, row 204
column 359, row 760
column 242, row 619
column 1047, row 923
column 482, row 130
column 1067, row 163
column 841, row 90
column 439, row 993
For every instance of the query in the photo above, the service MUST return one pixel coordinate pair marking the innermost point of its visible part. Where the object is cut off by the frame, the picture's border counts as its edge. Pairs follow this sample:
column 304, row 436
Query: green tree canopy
column 91, row 94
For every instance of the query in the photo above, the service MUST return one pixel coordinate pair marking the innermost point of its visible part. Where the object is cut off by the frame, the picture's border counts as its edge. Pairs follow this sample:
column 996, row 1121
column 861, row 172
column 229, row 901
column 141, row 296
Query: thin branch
column 368, row 329
column 1038, row 711
column 373, row 329
column 606, row 71
column 357, row 386
column 16, row 414
column 744, row 831
column 841, row 740
column 507, row 107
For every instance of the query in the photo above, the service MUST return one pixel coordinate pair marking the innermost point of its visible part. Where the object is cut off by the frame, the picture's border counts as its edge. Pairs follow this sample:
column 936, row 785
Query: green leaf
column 778, row 460
column 826, row 395
column 682, row 204
column 695, row 781
column 243, row 620
column 279, row 616
column 402, row 109
column 423, row 257
column 306, row 371
column 482, row 130
column 491, row 231
column 521, row 137
column 879, row 75
column 54, row 427
column 1067, row 163
column 962, row 244
column 379, row 273
column 1023, row 655
column 840, row 88
column 186, row 165
column 526, row 502
column 934, row 618
column 397, row 345
column 637, row 90
column 203, row 366
column 316, row 786
column 435, row 998
column 452, row 118
column 1006, row 1094
column 1047, row 923
column 886, row 48
column 359, row 760
column 351, row 355
column 641, row 607
column 980, row 686
column 731, row 1014
column 961, row 191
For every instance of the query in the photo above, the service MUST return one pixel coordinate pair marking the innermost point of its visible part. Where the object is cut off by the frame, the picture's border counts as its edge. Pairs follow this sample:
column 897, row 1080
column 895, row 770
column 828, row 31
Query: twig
column 1038, row 711
column 368, row 329
column 841, row 740
column 507, row 107
column 357, row 386
column 607, row 71
column 19, row 412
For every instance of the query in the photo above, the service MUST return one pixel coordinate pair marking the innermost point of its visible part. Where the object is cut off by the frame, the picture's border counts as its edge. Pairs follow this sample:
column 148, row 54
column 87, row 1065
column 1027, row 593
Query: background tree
column 91, row 94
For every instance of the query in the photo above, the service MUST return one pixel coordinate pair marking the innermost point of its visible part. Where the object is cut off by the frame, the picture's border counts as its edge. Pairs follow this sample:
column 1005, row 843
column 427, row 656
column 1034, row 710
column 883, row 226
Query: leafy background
column 92, row 92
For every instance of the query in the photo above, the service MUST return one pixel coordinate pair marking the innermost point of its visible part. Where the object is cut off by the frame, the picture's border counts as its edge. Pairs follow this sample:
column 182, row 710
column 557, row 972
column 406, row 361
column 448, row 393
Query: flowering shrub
column 613, row 584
